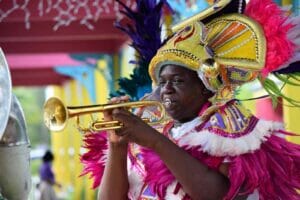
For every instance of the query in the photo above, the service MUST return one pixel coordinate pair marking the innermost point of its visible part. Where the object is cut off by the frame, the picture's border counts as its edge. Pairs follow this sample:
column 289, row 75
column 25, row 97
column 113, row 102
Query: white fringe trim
column 217, row 145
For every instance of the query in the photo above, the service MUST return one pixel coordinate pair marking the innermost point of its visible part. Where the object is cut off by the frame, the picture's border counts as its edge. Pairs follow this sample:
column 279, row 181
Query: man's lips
column 168, row 102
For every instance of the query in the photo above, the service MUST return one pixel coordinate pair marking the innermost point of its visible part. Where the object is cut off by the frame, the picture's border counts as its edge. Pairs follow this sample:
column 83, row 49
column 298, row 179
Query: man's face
column 183, row 89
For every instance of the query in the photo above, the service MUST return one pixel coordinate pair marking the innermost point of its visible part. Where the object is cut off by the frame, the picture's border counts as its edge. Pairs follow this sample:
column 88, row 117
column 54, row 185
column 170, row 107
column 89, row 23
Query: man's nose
column 168, row 87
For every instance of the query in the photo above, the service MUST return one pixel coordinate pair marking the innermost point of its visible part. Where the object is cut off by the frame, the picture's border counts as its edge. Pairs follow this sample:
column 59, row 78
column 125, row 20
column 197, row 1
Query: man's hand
column 112, row 137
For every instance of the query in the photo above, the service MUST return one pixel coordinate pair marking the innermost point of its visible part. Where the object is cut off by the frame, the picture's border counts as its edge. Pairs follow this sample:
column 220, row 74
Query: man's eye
column 177, row 81
column 162, row 83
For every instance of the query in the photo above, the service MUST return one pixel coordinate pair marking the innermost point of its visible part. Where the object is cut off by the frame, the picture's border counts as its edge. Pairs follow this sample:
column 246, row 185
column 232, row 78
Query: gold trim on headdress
column 217, row 6
column 186, row 48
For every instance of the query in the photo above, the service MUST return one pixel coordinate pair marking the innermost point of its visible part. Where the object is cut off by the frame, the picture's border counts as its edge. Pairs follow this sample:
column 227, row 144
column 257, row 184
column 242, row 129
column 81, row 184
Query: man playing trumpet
column 212, row 147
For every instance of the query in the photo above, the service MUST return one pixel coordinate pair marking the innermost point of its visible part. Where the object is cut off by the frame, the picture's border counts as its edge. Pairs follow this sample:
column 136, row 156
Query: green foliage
column 275, row 91
column 32, row 100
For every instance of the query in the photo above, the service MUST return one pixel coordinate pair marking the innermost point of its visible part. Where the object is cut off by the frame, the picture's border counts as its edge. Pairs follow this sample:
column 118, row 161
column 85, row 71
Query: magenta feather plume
column 159, row 176
column 272, row 20
column 273, row 170
column 94, row 159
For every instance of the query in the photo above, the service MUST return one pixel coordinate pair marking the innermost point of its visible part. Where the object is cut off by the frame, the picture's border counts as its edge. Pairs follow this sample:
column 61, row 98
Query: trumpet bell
column 55, row 114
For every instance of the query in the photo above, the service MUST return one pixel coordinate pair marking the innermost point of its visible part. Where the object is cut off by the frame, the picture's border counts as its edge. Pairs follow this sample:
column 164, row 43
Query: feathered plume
column 145, row 33
column 279, row 48
column 283, row 46
column 94, row 159
column 293, row 64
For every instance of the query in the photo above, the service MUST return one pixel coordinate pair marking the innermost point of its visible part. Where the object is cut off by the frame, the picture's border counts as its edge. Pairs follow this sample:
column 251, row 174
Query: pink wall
column 265, row 110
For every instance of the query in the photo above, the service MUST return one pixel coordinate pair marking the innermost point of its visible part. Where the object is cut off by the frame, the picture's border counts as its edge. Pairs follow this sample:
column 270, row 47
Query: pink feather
column 94, row 159
column 272, row 20
column 273, row 170
column 159, row 176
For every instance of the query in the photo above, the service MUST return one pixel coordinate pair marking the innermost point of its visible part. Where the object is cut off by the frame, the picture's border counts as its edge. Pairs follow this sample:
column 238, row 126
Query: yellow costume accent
column 237, row 41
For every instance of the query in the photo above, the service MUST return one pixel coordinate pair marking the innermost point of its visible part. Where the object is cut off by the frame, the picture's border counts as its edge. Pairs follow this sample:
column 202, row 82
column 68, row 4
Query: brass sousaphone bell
column 56, row 114
column 14, row 141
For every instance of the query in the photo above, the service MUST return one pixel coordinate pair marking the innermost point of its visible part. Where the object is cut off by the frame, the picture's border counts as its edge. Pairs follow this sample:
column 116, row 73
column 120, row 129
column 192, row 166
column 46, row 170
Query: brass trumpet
column 56, row 114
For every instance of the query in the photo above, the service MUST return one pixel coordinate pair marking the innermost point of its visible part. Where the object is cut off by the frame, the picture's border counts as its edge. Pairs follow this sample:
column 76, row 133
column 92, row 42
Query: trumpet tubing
column 56, row 114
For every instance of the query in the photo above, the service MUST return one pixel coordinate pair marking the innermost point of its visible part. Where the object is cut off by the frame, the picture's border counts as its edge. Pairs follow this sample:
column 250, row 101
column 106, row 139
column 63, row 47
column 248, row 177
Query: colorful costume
column 227, row 52
column 47, row 181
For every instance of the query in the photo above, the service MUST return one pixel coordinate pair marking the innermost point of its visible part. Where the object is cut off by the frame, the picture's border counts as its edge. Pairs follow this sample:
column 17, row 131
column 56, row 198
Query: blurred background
column 72, row 50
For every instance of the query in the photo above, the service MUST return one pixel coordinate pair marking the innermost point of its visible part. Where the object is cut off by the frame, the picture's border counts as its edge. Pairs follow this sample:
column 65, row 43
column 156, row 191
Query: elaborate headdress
column 232, row 49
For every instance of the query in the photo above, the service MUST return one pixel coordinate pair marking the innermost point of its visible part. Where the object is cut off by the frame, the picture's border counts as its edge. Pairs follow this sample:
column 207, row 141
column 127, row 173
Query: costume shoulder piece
column 231, row 121
column 231, row 130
